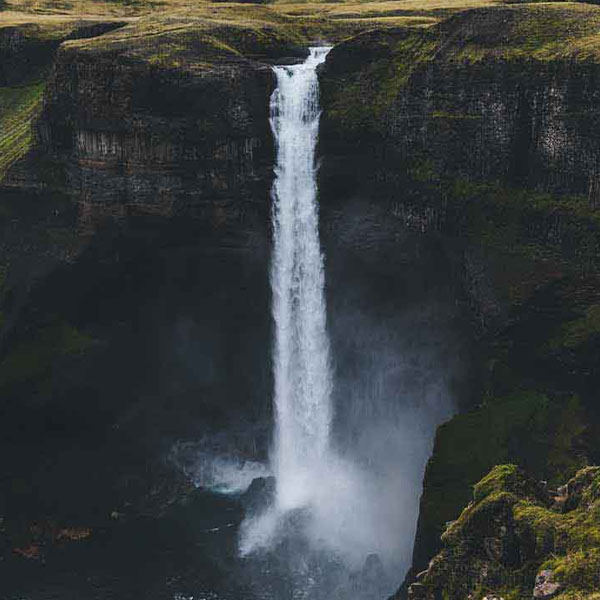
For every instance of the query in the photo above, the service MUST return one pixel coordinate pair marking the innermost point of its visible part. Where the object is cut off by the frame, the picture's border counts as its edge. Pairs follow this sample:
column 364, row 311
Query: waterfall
column 334, row 503
column 301, row 353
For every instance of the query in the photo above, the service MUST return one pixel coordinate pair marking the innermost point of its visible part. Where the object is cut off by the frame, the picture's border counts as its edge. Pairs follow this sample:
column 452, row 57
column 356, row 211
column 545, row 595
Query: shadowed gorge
column 299, row 300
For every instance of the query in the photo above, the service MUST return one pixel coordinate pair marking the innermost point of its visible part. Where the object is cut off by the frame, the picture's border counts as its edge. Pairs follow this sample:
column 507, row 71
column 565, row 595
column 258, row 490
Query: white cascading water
column 352, row 505
column 301, row 364
column 301, row 354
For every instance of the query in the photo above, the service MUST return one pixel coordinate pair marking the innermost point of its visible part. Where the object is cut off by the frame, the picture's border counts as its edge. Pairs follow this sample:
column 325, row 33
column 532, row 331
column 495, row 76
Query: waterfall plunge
column 301, row 452
column 339, row 499
column 301, row 354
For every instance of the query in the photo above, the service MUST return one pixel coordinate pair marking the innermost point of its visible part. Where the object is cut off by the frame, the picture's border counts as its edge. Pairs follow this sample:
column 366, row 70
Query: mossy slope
column 512, row 528
column 18, row 108
column 528, row 428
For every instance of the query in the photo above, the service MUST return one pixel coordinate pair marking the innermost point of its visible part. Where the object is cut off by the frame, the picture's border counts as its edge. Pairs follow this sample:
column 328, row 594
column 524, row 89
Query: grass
column 18, row 108
column 335, row 20
column 541, row 31
column 136, row 8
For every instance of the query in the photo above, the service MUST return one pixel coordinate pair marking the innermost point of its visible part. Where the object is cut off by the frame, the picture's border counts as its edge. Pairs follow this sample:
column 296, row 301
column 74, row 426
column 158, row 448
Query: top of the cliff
column 317, row 19
column 541, row 31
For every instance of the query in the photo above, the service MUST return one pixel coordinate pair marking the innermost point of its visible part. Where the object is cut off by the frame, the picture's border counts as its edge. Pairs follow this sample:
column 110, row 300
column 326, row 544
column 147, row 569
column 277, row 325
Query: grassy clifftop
column 372, row 69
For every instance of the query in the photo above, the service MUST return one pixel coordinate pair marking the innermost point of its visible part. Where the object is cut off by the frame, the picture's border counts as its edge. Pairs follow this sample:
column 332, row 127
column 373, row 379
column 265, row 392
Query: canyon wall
column 474, row 141
column 148, row 177
column 482, row 132
column 172, row 125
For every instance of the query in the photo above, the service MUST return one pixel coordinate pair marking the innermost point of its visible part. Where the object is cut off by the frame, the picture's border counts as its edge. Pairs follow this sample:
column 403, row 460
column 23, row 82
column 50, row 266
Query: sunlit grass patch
column 18, row 108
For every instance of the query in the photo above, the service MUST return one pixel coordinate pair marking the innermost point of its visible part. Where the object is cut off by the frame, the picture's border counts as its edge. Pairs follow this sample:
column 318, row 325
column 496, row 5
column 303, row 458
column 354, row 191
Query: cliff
column 478, row 133
column 27, row 49
column 165, row 118
column 497, row 93
column 482, row 131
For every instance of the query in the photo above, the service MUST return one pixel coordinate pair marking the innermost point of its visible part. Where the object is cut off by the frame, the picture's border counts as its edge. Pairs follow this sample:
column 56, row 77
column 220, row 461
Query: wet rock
column 259, row 495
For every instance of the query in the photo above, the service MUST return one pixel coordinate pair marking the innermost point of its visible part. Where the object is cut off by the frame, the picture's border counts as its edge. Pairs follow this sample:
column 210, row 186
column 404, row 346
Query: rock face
column 169, row 126
column 478, row 96
column 482, row 132
column 166, row 122
column 506, row 533
column 26, row 50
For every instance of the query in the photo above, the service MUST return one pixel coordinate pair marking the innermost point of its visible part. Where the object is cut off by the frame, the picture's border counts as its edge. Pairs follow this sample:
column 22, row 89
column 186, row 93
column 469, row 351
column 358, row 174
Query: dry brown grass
column 20, row 11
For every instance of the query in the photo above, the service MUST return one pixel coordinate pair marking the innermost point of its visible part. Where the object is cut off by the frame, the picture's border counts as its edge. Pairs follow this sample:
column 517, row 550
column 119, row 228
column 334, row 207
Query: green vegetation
column 526, row 428
column 540, row 31
column 211, row 32
column 505, row 478
column 512, row 529
column 327, row 9
column 196, row 42
column 381, row 64
column 18, row 108
column 577, row 331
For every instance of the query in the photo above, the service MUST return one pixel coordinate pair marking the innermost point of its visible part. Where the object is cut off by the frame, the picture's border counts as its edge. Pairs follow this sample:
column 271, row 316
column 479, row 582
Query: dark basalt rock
column 259, row 495
column 138, row 140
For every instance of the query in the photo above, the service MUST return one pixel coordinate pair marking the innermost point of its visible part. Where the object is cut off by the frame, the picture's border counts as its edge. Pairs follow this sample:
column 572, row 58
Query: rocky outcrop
column 512, row 541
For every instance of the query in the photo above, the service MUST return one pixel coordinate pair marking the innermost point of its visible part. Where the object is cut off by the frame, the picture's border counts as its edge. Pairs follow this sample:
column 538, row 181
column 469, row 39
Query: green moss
column 18, row 108
column 579, row 569
column 526, row 428
column 568, row 533
column 34, row 359
column 478, row 518
column 500, row 478
column 508, row 532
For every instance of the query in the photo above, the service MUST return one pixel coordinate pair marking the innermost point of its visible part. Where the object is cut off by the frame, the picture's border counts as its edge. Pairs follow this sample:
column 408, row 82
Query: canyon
column 458, row 214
